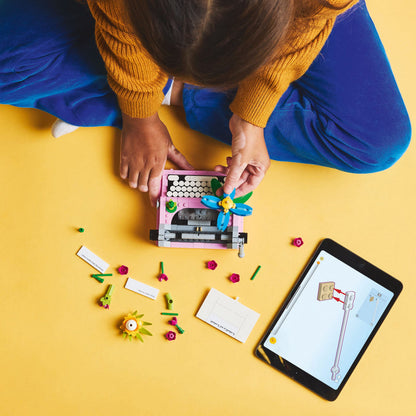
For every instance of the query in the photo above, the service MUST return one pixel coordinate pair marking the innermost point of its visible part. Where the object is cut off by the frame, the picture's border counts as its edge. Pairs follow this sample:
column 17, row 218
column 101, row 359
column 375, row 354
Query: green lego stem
column 169, row 301
column 101, row 274
column 255, row 273
column 161, row 267
column 168, row 313
column 99, row 279
column 181, row 331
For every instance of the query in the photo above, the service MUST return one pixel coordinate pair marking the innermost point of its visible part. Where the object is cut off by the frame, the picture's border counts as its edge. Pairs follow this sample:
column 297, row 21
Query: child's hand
column 145, row 147
column 250, row 159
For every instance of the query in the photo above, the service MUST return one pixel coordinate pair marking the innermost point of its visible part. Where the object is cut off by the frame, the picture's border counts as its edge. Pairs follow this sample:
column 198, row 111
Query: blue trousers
column 345, row 112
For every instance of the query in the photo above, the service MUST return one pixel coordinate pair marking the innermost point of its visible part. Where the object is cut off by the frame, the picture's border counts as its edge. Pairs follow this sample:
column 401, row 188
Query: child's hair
column 215, row 43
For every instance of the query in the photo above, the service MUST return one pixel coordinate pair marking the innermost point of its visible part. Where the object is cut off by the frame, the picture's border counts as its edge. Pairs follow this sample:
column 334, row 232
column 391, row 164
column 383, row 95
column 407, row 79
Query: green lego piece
column 106, row 299
column 180, row 330
column 215, row 185
column 99, row 279
column 243, row 199
column 171, row 206
column 169, row 301
column 255, row 273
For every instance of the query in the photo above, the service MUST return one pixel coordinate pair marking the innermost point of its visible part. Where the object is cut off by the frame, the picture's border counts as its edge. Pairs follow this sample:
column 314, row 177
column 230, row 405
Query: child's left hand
column 250, row 159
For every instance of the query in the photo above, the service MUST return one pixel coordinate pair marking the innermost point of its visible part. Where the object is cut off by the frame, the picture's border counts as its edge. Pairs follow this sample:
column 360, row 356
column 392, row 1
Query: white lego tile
column 227, row 315
column 92, row 259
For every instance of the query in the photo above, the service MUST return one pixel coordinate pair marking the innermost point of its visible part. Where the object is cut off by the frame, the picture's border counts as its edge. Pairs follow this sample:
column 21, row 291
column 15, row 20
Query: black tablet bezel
column 356, row 263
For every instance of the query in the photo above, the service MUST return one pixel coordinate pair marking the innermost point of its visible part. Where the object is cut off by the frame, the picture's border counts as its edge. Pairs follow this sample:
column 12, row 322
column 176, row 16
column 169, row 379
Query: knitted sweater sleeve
column 258, row 95
column 137, row 81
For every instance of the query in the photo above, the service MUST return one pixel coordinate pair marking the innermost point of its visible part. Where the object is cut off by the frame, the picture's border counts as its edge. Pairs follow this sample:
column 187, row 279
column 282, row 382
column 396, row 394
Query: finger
column 233, row 177
column 133, row 177
column 243, row 179
column 179, row 159
column 143, row 180
column 154, row 186
column 250, row 184
column 221, row 169
column 124, row 168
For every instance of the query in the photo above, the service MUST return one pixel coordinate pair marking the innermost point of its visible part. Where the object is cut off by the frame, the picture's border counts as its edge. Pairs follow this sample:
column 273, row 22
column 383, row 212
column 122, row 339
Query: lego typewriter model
column 190, row 215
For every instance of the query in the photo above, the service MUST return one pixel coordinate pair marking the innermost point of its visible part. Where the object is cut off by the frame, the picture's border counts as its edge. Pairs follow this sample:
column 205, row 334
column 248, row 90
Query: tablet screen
column 328, row 320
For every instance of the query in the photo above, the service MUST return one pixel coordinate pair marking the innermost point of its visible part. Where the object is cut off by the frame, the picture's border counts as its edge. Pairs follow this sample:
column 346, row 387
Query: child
column 304, row 81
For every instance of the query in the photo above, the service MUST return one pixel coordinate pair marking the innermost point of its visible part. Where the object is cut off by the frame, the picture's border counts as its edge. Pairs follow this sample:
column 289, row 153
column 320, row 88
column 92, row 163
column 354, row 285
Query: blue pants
column 346, row 112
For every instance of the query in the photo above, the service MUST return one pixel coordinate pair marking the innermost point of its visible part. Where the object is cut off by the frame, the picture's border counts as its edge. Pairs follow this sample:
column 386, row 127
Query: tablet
column 328, row 320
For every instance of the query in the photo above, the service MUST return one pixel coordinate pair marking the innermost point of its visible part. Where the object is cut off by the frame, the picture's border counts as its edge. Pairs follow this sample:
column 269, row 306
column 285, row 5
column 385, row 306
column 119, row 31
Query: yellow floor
column 61, row 354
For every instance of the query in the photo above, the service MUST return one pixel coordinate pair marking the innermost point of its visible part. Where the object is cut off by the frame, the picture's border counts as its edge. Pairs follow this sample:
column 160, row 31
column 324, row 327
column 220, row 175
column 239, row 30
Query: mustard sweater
column 138, row 82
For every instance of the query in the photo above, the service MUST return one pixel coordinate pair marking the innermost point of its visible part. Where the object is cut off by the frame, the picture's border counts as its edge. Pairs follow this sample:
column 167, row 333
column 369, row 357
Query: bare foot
column 176, row 96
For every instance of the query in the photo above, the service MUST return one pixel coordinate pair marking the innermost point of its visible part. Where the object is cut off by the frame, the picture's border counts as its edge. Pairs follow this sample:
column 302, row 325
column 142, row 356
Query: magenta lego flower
column 212, row 265
column 297, row 242
column 123, row 269
column 163, row 277
column 170, row 336
column 235, row 277
column 173, row 321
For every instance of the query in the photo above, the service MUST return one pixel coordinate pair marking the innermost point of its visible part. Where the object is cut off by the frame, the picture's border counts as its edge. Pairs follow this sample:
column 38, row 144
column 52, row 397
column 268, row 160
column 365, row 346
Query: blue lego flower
column 227, row 205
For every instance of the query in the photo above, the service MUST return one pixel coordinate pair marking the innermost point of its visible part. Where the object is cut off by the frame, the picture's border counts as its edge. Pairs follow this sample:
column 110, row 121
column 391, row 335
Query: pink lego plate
column 183, row 221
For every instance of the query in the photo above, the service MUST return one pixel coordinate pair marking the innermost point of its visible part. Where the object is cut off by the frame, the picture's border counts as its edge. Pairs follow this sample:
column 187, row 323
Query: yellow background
column 61, row 354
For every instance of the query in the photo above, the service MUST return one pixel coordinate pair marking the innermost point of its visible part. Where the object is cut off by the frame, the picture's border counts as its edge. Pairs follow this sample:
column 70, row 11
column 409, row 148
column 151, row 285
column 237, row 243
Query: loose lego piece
column 169, row 301
column 92, row 259
column 169, row 313
column 227, row 315
column 132, row 326
column 297, row 242
column 101, row 274
column 235, row 278
column 81, row 230
column 98, row 279
column 212, row 264
column 171, row 206
column 180, row 330
column 162, row 276
column 255, row 273
column 106, row 299
column 173, row 321
column 170, row 336
column 123, row 269
column 141, row 288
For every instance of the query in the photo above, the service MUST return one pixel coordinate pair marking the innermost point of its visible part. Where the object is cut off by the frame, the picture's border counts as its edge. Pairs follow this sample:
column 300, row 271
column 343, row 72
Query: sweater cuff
column 255, row 101
column 140, row 105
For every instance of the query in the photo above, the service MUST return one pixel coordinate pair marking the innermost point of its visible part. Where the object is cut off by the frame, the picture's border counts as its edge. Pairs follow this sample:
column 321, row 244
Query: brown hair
column 215, row 43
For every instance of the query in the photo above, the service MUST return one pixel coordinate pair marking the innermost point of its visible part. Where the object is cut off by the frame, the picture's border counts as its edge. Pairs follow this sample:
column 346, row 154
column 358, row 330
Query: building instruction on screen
column 328, row 320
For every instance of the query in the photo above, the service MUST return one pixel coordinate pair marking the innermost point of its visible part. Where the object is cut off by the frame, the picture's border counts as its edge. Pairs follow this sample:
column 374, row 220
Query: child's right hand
column 145, row 147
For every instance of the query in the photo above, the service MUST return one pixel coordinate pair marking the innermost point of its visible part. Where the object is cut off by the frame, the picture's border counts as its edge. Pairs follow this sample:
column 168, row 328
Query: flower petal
column 223, row 220
column 242, row 209
column 210, row 201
